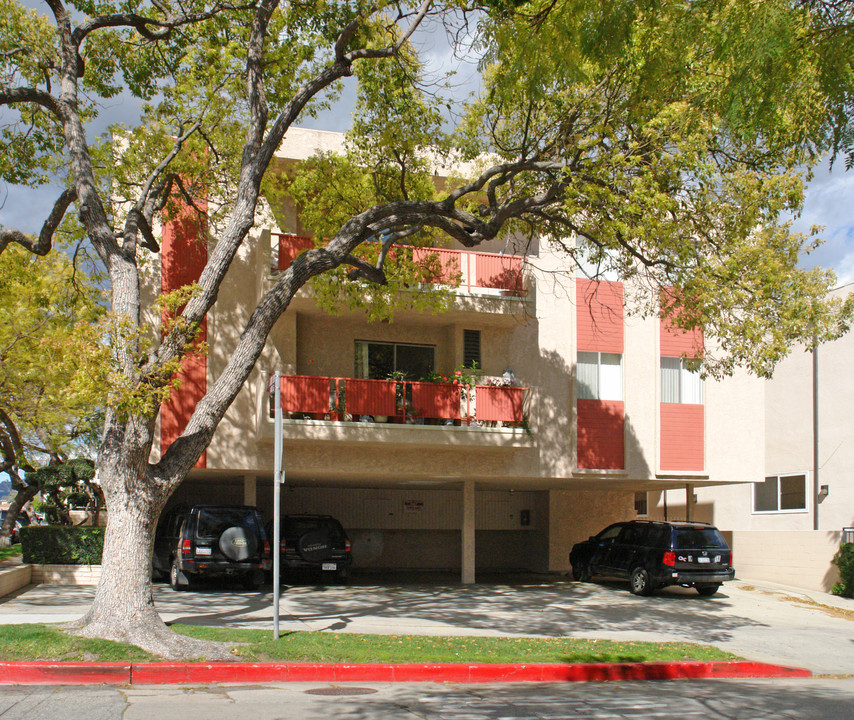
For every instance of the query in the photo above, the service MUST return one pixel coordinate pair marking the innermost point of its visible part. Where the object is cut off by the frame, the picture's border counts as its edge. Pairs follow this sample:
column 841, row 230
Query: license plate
column 703, row 560
column 203, row 551
column 329, row 566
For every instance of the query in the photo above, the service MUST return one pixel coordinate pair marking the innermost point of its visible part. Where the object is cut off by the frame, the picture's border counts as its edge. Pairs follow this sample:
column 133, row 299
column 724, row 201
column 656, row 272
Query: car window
column 213, row 522
column 696, row 538
column 609, row 533
column 634, row 534
column 296, row 527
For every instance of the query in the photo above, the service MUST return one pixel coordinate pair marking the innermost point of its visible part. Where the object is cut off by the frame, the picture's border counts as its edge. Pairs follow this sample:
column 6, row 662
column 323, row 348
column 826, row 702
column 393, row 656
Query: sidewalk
column 757, row 621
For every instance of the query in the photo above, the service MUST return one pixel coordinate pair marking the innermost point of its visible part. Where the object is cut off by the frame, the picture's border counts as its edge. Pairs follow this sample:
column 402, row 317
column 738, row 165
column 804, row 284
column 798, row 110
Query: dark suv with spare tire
column 314, row 542
column 653, row 554
column 219, row 541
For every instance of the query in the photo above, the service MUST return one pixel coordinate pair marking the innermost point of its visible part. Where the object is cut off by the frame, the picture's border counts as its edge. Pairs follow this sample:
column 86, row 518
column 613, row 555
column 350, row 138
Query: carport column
column 689, row 502
column 468, row 532
column 250, row 494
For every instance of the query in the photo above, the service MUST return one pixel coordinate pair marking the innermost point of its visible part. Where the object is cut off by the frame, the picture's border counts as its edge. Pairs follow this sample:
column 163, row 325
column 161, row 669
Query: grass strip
column 10, row 552
column 50, row 642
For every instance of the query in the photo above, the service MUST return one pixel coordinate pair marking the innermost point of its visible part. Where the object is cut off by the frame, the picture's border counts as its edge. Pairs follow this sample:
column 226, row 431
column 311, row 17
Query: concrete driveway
column 761, row 622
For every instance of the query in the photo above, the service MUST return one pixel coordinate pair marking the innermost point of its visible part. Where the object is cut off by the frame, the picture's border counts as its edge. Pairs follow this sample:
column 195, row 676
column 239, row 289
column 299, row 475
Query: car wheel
column 581, row 572
column 640, row 583
column 177, row 579
column 708, row 590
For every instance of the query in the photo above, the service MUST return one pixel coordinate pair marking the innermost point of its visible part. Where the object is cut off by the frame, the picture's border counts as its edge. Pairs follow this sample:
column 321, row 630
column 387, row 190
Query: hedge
column 62, row 545
column 844, row 560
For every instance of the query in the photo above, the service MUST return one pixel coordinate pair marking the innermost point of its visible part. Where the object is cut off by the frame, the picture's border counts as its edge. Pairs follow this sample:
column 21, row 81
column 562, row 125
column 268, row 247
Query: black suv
column 211, row 541
column 314, row 542
column 656, row 554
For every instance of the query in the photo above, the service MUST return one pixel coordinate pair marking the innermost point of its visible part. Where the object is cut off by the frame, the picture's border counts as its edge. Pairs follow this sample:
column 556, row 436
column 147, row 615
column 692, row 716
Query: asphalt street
column 813, row 699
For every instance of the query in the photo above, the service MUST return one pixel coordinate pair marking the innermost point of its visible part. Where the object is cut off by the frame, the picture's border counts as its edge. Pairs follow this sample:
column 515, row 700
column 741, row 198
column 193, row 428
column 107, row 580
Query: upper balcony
column 403, row 412
column 480, row 274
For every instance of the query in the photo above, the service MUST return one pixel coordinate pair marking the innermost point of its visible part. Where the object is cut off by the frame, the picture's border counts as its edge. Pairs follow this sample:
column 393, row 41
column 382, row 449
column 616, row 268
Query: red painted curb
column 64, row 673
column 36, row 673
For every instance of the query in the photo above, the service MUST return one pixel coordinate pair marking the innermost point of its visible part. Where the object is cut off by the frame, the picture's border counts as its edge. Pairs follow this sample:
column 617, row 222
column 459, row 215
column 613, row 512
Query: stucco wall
column 798, row 558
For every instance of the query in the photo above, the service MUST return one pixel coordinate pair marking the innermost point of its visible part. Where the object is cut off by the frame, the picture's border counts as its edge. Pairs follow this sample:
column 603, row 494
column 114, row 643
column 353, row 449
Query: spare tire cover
column 238, row 543
column 315, row 545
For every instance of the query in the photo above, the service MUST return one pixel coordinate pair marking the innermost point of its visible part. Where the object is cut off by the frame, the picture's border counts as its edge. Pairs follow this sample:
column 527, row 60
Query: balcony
column 478, row 273
column 402, row 402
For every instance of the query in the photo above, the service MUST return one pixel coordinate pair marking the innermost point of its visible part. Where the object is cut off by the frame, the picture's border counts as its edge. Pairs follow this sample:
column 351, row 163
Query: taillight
column 730, row 558
column 283, row 546
column 266, row 548
column 346, row 546
column 186, row 547
column 670, row 559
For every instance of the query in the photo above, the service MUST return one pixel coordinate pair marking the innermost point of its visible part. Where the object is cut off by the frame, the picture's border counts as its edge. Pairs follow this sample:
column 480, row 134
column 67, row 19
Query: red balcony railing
column 473, row 270
column 325, row 398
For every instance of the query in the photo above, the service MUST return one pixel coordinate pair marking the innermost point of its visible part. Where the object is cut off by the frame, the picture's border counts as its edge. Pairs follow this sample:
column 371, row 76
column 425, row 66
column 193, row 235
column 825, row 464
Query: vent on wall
column 471, row 348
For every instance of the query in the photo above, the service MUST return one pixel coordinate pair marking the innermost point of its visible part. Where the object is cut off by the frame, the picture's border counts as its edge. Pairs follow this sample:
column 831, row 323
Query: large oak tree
column 665, row 135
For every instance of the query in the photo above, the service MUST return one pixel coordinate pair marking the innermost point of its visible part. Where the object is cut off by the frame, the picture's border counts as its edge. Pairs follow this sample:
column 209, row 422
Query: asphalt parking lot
column 761, row 622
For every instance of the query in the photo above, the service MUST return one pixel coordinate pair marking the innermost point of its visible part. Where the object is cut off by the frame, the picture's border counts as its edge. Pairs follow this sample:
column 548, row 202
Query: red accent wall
column 682, row 437
column 601, row 434
column 676, row 342
column 183, row 256
column 600, row 423
column 599, row 309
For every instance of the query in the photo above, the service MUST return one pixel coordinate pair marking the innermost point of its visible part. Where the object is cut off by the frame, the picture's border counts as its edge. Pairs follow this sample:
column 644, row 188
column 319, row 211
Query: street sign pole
column 278, row 479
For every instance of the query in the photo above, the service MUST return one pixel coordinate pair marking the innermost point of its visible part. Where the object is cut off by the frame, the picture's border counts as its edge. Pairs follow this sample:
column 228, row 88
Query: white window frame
column 601, row 381
column 691, row 385
column 778, row 511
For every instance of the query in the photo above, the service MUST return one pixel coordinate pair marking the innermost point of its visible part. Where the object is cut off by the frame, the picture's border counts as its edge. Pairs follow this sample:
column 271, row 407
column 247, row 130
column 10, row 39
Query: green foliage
column 53, row 361
column 64, row 486
column 391, row 149
column 62, row 544
column 844, row 560
column 675, row 158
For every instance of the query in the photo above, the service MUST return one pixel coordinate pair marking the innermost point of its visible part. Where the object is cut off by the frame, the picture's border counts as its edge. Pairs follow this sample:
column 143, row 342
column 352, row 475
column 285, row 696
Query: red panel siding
column 182, row 259
column 599, row 308
column 676, row 342
column 601, row 434
column 497, row 404
column 290, row 246
column 370, row 397
column 682, row 437
column 305, row 394
column 500, row 271
column 430, row 400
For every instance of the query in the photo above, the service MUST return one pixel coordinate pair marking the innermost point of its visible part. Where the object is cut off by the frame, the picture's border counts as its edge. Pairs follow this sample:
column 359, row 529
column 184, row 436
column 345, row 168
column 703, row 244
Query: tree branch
column 44, row 243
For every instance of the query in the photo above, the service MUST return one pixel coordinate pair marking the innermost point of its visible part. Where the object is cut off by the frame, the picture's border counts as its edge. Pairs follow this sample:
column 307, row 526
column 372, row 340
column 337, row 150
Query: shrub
column 844, row 560
column 62, row 545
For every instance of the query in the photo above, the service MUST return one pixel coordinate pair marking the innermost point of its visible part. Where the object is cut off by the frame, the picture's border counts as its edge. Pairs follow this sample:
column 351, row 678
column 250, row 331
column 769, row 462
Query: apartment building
column 787, row 527
column 578, row 411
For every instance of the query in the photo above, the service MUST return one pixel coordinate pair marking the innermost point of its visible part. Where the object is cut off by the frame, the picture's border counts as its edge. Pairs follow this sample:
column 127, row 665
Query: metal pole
column 815, row 486
column 278, row 477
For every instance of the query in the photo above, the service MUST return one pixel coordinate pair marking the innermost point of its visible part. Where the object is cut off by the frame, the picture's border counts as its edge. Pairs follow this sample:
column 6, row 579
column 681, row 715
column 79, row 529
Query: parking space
column 760, row 622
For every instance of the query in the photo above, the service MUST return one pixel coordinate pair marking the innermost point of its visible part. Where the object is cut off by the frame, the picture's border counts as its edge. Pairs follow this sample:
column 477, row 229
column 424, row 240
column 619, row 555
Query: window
column 679, row 384
column 641, row 506
column 599, row 376
column 781, row 493
column 471, row 348
column 376, row 361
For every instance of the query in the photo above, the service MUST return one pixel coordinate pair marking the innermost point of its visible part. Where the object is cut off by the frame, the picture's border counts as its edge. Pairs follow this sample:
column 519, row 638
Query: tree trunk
column 22, row 497
column 123, row 608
